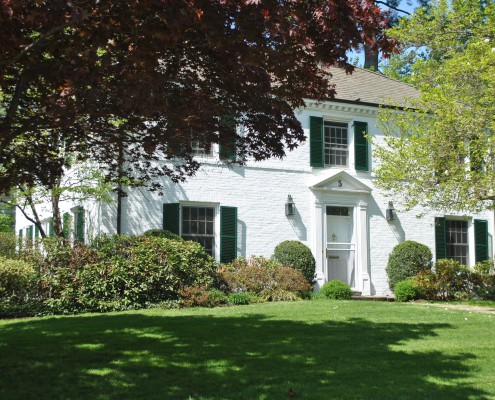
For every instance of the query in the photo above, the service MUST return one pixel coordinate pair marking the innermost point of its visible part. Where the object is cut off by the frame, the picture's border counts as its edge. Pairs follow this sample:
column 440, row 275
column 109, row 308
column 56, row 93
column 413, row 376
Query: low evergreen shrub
column 407, row 260
column 297, row 255
column 241, row 298
column 336, row 290
column 407, row 290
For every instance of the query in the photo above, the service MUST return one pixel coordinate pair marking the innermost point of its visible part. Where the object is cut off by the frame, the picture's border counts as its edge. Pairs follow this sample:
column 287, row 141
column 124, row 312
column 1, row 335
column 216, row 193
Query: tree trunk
column 57, row 220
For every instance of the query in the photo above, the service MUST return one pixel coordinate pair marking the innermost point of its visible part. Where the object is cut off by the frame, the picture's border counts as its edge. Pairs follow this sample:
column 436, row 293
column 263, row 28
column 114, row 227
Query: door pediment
column 340, row 181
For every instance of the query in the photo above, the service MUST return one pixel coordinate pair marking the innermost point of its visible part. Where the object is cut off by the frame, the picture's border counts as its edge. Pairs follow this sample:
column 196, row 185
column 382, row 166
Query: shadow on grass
column 138, row 356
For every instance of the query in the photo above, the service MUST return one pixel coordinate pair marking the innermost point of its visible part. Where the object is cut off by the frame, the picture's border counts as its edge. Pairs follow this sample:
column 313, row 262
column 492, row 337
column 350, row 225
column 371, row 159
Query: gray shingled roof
column 364, row 86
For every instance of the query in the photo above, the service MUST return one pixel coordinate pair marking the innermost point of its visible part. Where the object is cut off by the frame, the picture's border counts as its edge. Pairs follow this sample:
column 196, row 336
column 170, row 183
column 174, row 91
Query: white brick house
column 338, row 212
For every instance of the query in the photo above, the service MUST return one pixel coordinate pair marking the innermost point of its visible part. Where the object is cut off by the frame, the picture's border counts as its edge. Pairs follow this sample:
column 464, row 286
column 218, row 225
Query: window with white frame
column 336, row 144
column 456, row 238
column 198, row 224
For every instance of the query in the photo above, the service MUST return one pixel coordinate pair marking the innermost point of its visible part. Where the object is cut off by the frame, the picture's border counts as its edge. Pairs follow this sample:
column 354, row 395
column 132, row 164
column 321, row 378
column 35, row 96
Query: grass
column 319, row 349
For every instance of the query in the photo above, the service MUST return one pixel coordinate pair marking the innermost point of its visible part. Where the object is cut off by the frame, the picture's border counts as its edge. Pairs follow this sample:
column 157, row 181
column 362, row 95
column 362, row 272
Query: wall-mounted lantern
column 290, row 207
column 390, row 213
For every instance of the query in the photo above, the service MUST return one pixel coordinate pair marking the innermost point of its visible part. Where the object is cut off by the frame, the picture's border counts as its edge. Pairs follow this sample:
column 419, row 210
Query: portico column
column 318, row 246
column 362, row 251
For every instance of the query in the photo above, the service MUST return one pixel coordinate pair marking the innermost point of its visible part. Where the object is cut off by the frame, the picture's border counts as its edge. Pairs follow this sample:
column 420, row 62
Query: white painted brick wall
column 260, row 190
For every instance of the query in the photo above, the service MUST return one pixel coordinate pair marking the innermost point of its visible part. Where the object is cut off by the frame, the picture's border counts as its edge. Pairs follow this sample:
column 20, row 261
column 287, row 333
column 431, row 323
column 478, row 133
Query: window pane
column 185, row 212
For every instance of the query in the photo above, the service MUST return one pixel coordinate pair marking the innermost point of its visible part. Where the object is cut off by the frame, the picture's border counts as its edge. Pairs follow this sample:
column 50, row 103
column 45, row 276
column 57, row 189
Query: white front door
column 340, row 245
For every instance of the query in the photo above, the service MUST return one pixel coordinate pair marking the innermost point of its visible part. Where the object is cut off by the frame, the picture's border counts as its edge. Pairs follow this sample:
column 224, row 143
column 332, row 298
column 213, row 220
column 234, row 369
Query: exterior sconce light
column 290, row 207
column 390, row 213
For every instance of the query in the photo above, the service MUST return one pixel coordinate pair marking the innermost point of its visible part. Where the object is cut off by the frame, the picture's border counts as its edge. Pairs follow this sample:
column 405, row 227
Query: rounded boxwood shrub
column 406, row 260
column 162, row 233
column 336, row 290
column 296, row 255
column 407, row 290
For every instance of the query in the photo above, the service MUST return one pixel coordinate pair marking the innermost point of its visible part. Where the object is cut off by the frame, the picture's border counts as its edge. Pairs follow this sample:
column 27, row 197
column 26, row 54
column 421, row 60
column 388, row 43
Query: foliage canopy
column 440, row 151
column 108, row 79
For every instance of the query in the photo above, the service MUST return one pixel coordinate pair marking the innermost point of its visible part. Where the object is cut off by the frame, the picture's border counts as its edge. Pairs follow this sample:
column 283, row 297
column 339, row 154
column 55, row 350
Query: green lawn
column 319, row 349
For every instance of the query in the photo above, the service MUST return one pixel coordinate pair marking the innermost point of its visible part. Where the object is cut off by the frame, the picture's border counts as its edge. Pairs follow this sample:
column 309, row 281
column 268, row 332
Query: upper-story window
column 336, row 144
column 329, row 144
column 197, row 149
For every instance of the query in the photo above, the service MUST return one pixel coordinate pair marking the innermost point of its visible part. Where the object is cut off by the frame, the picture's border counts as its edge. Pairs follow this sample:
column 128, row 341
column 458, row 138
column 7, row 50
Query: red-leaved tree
column 137, row 81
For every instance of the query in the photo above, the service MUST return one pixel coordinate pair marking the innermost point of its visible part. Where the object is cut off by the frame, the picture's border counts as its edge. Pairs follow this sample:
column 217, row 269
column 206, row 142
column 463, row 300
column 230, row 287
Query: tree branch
column 39, row 42
column 392, row 7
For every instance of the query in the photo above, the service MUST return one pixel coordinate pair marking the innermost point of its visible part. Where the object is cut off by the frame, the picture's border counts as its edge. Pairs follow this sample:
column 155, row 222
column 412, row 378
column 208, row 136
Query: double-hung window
column 453, row 237
column 198, row 224
column 338, row 144
column 457, row 240
column 215, row 228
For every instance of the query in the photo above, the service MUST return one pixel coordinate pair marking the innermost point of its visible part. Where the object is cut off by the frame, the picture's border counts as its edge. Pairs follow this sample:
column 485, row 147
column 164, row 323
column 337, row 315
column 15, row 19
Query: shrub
column 258, row 274
column 7, row 245
column 240, row 298
column 484, row 267
column 296, row 255
column 336, row 290
column 201, row 296
column 428, row 284
column 7, row 223
column 122, row 272
column 452, row 277
column 407, row 290
column 407, row 260
column 17, row 281
column 162, row 233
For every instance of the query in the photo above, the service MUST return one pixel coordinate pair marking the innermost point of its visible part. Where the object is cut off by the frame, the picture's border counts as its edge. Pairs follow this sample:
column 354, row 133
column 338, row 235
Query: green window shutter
column 481, row 240
column 316, row 142
column 50, row 227
column 360, row 146
column 227, row 150
column 440, row 239
column 66, row 225
column 228, row 234
column 36, row 232
column 30, row 230
column 171, row 221
column 80, row 225
column 20, row 233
